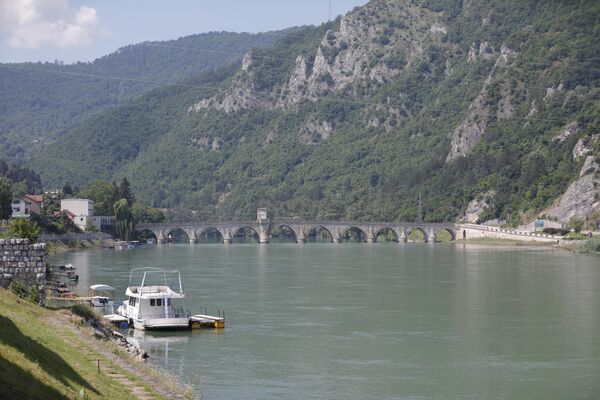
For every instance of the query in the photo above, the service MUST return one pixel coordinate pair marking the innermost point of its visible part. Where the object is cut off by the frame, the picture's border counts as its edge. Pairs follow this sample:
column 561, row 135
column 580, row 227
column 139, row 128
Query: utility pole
column 420, row 212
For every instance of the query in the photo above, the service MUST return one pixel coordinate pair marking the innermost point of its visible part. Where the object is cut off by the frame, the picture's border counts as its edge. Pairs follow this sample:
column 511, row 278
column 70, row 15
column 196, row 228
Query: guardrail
column 508, row 231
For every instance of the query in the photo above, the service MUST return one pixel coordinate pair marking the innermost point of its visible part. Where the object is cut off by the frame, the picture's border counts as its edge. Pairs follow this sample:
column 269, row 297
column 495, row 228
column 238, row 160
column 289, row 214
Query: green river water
column 374, row 321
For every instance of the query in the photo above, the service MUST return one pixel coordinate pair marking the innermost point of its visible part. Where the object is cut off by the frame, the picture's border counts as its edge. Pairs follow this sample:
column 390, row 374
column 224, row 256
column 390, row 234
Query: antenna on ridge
column 420, row 211
column 329, row 19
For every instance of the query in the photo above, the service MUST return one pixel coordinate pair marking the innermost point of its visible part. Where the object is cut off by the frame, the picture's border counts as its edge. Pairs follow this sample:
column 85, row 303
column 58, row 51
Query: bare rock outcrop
column 466, row 136
column 313, row 132
column 372, row 45
column 387, row 117
column 582, row 197
column 242, row 94
column 478, row 206
column 567, row 131
column 579, row 200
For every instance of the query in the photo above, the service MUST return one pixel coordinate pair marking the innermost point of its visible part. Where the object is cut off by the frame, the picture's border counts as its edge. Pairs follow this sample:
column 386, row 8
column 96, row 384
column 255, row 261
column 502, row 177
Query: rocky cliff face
column 466, row 136
column 372, row 46
column 477, row 207
column 582, row 197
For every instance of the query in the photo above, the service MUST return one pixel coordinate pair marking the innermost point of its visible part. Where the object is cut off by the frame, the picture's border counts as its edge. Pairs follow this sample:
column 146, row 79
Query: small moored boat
column 101, row 295
column 154, row 304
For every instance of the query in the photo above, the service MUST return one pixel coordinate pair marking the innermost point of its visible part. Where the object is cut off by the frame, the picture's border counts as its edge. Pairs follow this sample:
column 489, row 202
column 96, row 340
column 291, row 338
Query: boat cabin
column 154, row 302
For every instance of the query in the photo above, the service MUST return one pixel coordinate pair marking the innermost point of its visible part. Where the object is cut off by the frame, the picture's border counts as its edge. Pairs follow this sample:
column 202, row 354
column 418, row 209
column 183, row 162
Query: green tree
column 103, row 194
column 576, row 224
column 145, row 213
column 65, row 223
column 5, row 199
column 124, row 222
column 67, row 190
column 125, row 192
column 22, row 228
column 51, row 203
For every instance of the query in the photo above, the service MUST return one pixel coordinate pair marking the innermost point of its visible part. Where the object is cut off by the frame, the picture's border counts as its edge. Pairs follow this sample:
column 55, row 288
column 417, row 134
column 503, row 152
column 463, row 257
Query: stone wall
column 22, row 262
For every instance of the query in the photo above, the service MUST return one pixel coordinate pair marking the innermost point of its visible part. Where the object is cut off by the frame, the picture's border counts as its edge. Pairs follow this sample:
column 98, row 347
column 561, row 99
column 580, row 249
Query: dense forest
column 41, row 101
column 354, row 118
column 22, row 180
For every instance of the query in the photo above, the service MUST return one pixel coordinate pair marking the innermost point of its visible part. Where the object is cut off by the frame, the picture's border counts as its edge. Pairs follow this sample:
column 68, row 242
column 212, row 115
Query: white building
column 82, row 213
column 78, row 207
column 21, row 208
column 84, row 222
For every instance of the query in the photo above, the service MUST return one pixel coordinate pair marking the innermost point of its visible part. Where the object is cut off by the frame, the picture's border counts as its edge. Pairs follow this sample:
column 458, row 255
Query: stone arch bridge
column 300, row 228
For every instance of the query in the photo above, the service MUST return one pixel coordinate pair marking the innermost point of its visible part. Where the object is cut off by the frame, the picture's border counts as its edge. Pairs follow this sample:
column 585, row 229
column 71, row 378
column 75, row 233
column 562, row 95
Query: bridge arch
column 146, row 234
column 210, row 234
column 416, row 234
column 286, row 228
column 318, row 234
column 353, row 234
column 177, row 235
column 386, row 234
column 445, row 235
column 242, row 232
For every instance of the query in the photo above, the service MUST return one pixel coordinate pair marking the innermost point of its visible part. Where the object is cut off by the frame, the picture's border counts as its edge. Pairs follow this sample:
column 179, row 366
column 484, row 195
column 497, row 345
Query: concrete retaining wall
column 472, row 231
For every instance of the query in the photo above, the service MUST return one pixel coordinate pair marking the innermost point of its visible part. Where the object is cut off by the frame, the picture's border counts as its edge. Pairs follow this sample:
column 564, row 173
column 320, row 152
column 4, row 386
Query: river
column 374, row 321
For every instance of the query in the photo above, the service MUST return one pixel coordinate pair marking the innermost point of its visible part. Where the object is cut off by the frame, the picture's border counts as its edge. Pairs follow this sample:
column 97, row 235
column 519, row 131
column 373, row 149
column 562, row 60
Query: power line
column 122, row 78
column 271, row 96
column 259, row 56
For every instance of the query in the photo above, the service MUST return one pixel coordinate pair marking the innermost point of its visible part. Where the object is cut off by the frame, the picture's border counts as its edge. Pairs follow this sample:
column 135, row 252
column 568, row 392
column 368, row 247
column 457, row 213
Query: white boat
column 101, row 295
column 153, row 304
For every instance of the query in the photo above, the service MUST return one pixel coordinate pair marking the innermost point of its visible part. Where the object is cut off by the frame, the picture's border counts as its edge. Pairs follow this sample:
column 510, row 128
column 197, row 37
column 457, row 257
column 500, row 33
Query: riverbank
column 55, row 247
column 55, row 354
column 590, row 246
column 504, row 242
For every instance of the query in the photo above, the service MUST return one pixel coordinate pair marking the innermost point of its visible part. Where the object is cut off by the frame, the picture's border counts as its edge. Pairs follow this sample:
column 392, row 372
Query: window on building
column 159, row 302
column 152, row 302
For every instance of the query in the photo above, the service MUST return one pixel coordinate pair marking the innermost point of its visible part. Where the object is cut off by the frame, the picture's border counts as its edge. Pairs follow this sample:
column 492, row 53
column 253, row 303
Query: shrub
column 22, row 228
column 549, row 231
column 26, row 292
column 83, row 311
column 592, row 246
column 575, row 236
column 576, row 224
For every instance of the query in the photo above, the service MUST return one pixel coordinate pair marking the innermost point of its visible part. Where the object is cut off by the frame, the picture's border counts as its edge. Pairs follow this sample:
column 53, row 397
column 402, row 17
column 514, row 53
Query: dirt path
column 139, row 378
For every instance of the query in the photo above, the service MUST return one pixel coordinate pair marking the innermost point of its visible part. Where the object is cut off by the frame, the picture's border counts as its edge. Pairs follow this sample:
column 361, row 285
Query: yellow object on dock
column 207, row 321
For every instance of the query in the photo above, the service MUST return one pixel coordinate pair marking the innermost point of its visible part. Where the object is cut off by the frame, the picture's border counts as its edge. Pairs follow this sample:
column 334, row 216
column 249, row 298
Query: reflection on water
column 372, row 321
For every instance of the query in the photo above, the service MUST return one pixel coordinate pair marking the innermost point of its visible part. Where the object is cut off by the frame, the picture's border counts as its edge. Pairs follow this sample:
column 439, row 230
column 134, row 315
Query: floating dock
column 196, row 321
column 206, row 321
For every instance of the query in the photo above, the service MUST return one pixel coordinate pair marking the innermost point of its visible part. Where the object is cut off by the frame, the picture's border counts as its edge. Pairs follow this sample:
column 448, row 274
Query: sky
column 82, row 30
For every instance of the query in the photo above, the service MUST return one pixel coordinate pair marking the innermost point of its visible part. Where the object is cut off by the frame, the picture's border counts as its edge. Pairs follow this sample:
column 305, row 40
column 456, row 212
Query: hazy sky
column 72, row 30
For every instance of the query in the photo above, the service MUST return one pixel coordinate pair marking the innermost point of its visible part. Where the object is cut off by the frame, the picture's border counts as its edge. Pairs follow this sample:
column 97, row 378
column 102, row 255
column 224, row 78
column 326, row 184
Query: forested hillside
column 486, row 105
column 41, row 101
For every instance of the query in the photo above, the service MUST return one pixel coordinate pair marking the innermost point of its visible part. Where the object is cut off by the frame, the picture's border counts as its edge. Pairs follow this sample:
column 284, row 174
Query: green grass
column 37, row 362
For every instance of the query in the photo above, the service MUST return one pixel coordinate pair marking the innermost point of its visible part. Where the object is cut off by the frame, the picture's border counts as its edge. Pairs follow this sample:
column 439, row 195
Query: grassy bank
column 55, row 247
column 505, row 242
column 52, row 354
